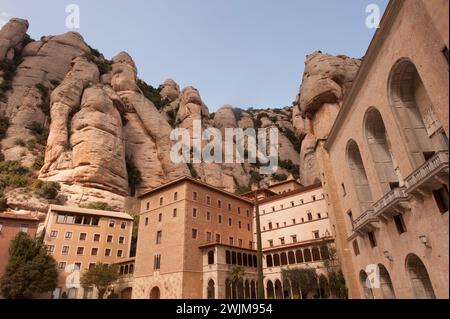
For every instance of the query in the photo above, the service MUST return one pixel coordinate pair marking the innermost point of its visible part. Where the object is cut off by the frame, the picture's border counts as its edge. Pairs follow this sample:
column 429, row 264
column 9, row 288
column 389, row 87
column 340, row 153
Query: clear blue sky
column 248, row 53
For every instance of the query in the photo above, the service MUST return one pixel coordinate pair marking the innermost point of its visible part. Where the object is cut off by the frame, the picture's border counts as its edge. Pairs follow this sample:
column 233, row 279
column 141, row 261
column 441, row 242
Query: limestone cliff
column 90, row 126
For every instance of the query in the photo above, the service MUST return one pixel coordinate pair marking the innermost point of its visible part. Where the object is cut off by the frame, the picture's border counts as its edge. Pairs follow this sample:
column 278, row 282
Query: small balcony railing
column 432, row 174
column 366, row 222
column 393, row 203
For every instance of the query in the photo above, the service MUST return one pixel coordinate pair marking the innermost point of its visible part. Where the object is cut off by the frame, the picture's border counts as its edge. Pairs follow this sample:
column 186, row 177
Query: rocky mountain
column 79, row 129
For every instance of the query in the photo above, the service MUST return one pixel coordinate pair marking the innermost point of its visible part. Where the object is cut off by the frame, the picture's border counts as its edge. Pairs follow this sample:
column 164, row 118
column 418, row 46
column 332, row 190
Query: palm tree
column 236, row 276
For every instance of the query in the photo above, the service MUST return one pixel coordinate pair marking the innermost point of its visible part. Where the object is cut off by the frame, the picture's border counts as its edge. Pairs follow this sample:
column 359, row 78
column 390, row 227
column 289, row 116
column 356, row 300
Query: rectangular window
column 231, row 241
column 157, row 262
column 50, row 249
column 230, row 222
column 250, row 244
column 61, row 265
column 239, row 225
column 78, row 266
column 109, row 239
column 355, row 247
column 174, row 214
column 282, row 241
column 194, row 195
column 194, row 233
column 54, row 234
column 316, row 234
column 208, row 200
column 310, row 216
column 248, row 227
column 96, row 237
column 400, row 224
column 65, row 250
column 161, row 201
column 148, row 206
column 229, row 207
column 350, row 217
column 60, row 219
column 83, row 236
column 87, row 220
column 220, row 219
column 294, row 238
column 208, row 215
column 78, row 220
column 442, row 199
column 292, row 204
column 94, row 251
column 123, row 225
column 293, row 221
column 270, row 243
column 95, row 221
column 146, row 221
column 194, row 212
column 121, row 240
column 248, row 213
column 80, row 251
column 70, row 219
column 112, row 223
column 175, row 196
column 270, row 225
column 91, row 265
column 23, row 228
column 208, row 236
column 239, row 210
column 68, row 235
column 160, row 217
column 372, row 239
column 158, row 237
column 219, row 203
column 241, row 243
column 218, row 239
column 119, row 253
column 319, row 216
column 107, row 252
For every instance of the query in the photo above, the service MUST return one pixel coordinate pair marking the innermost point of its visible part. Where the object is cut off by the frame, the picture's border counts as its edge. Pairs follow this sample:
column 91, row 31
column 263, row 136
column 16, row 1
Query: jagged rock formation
column 108, row 131
column 325, row 83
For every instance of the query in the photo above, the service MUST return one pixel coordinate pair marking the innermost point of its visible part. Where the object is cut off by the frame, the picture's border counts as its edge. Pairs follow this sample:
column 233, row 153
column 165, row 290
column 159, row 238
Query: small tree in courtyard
column 303, row 278
column 101, row 276
column 30, row 271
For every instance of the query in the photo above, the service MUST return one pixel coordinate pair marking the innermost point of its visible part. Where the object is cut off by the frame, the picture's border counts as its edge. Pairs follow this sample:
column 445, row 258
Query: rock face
column 326, row 81
column 108, row 131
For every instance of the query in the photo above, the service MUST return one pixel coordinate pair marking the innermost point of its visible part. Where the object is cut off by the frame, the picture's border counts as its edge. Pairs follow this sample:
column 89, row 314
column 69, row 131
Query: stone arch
column 315, row 254
column 126, row 293
column 284, row 260
column 291, row 257
column 324, row 287
column 239, row 259
column 228, row 257
column 420, row 281
column 270, row 292
column 211, row 290
column 240, row 289
column 155, row 293
column 386, row 283
column 380, row 149
column 414, row 113
column 287, row 294
column 299, row 256
column 269, row 261
column 307, row 255
column 276, row 260
column 359, row 176
column 253, row 289
column 228, row 289
column 278, row 289
column 244, row 260
column 247, row 289
column 364, row 281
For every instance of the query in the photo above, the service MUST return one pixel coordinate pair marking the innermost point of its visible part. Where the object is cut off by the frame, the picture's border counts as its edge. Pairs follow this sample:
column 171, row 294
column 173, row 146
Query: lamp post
column 259, row 249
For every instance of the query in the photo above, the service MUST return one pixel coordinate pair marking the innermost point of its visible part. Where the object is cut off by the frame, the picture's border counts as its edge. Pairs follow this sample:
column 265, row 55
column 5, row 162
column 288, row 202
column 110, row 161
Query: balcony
column 393, row 203
column 431, row 175
column 366, row 222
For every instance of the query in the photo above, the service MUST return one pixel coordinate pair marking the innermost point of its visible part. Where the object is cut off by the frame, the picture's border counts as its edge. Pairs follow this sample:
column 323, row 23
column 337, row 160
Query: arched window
column 291, row 258
column 270, row 293
column 324, row 287
column 269, row 261
column 307, row 255
column 239, row 259
column 299, row 256
column 315, row 254
column 125, row 270
column 233, row 258
column 420, row 280
column 247, row 290
column 227, row 257
column 155, row 293
column 324, row 252
column 244, row 260
column 380, row 149
column 211, row 289
column 255, row 261
column 385, row 283
column 359, row 176
column 250, row 260
column 240, row 289
column 284, row 260
column 276, row 260
column 278, row 290
column 211, row 257
column 414, row 113
column 131, row 268
column 253, row 289
column 363, row 279
column 287, row 289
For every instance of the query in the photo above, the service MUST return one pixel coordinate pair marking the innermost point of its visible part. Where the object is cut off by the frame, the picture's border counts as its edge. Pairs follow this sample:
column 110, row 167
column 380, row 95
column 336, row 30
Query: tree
column 101, row 276
column 305, row 279
column 30, row 270
column 134, row 236
column 236, row 275
column 337, row 285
